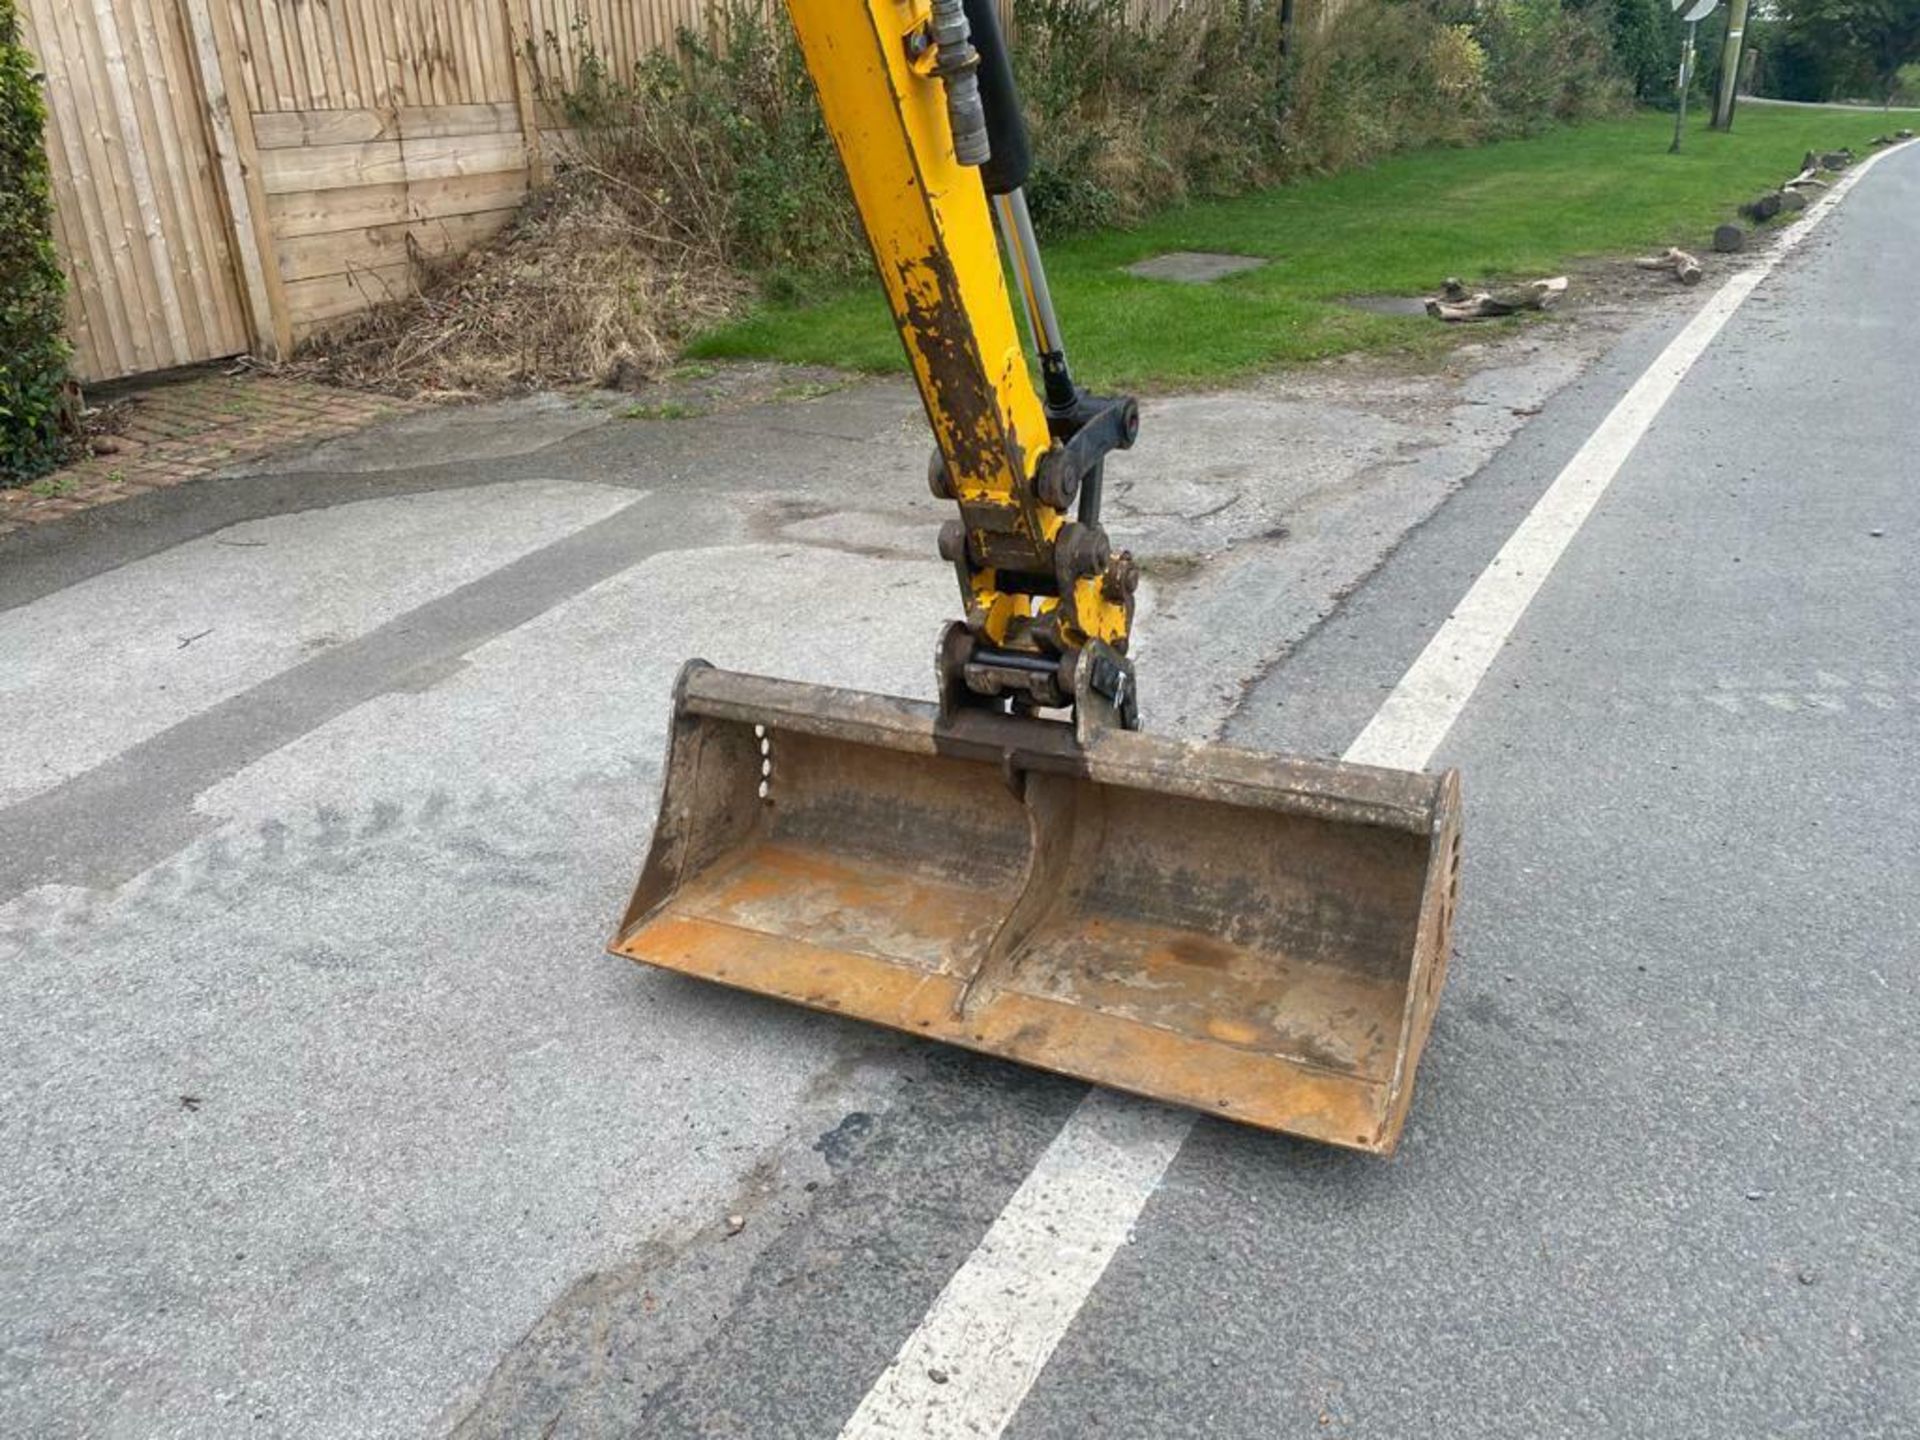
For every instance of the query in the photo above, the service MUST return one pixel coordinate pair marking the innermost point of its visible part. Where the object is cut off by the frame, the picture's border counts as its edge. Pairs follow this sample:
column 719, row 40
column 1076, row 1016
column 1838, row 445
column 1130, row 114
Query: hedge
column 34, row 400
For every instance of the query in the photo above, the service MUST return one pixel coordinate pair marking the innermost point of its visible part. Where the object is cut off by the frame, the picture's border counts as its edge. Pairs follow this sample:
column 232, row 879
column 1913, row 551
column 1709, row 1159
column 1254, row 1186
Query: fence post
column 518, row 33
column 230, row 127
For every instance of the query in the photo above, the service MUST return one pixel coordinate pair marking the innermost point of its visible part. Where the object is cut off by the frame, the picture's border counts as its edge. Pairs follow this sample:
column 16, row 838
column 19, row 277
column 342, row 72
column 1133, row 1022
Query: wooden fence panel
column 388, row 130
column 141, row 215
column 618, row 33
column 354, row 196
column 372, row 54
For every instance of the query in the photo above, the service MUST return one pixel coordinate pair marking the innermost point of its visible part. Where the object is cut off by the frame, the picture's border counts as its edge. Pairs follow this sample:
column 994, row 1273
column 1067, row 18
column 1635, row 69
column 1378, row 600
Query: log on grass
column 1684, row 267
column 1537, row 295
column 1825, row 160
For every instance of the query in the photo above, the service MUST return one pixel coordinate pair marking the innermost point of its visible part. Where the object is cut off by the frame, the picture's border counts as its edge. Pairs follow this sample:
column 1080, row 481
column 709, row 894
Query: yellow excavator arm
column 1260, row 936
column 919, row 99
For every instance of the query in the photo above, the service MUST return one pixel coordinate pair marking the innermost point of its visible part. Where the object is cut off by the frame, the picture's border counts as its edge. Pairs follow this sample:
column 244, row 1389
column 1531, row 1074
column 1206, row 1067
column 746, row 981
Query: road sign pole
column 1692, row 12
column 1686, row 78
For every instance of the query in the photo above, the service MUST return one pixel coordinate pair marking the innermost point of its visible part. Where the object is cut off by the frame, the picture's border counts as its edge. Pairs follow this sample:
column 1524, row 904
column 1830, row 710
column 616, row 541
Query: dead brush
column 588, row 286
column 678, row 179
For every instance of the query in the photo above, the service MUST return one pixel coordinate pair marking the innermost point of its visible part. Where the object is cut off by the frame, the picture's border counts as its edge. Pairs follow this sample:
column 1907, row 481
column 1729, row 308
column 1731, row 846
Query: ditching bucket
column 1260, row 937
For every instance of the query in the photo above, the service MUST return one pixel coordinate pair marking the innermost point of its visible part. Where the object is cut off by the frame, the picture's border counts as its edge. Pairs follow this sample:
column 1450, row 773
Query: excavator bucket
column 1260, row 937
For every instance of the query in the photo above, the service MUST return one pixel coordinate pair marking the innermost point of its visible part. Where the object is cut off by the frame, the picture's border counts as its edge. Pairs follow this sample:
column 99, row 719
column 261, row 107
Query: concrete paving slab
column 419, row 890
column 98, row 666
column 603, row 666
column 320, row 1115
column 1325, row 484
column 1195, row 267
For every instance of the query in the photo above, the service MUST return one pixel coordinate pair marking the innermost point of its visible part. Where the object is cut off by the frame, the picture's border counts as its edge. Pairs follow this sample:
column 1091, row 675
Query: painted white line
column 965, row 1370
column 968, row 1366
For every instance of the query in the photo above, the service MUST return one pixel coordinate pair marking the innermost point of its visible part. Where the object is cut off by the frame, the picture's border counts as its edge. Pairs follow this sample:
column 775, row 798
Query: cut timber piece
column 312, row 128
column 1537, row 295
column 332, row 167
column 1683, row 266
column 383, row 162
column 287, row 129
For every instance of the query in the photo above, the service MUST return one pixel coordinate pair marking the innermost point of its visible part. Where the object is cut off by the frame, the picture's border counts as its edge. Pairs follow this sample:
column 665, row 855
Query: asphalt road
column 324, row 1115
column 1664, row 1174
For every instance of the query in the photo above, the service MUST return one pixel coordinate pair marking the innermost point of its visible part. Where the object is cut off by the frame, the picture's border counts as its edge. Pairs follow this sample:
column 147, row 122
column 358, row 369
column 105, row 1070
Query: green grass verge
column 1517, row 208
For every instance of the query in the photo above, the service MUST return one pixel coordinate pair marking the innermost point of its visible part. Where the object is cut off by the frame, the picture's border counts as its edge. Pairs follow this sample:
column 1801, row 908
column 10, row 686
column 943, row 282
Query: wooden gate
column 140, row 214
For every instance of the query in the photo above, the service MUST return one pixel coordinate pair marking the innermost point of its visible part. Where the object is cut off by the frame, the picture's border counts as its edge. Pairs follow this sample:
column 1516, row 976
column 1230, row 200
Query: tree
column 1643, row 44
column 1840, row 49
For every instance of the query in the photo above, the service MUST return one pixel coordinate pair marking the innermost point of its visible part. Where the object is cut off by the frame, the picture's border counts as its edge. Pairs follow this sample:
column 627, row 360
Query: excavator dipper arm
column 908, row 87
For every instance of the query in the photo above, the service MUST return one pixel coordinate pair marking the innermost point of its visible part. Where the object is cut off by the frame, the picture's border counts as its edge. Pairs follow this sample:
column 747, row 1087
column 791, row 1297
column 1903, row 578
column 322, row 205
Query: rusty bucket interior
column 1260, row 937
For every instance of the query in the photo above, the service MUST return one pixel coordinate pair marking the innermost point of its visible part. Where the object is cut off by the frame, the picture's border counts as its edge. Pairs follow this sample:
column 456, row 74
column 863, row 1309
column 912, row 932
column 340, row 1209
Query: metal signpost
column 1693, row 12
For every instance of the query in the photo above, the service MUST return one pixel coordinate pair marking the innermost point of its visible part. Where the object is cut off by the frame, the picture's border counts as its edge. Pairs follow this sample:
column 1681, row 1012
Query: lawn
column 1518, row 208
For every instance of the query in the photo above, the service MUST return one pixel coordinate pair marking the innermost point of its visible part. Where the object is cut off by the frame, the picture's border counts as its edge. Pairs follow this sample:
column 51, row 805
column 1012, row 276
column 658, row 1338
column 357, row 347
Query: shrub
column 1644, row 48
column 1218, row 98
column 35, row 409
column 721, row 146
column 713, row 161
column 1127, row 116
column 1547, row 64
column 1378, row 78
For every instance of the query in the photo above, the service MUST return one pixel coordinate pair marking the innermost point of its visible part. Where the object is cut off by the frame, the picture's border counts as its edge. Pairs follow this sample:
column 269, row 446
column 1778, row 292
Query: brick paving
column 183, row 429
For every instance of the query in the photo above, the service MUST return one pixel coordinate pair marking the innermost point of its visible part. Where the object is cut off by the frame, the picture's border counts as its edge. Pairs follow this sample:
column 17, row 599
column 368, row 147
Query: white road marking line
column 967, row 1367
column 970, row 1363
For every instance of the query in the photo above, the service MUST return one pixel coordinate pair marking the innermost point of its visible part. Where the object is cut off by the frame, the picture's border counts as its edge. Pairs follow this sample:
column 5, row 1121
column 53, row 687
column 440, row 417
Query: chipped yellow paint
column 927, row 219
column 1100, row 617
